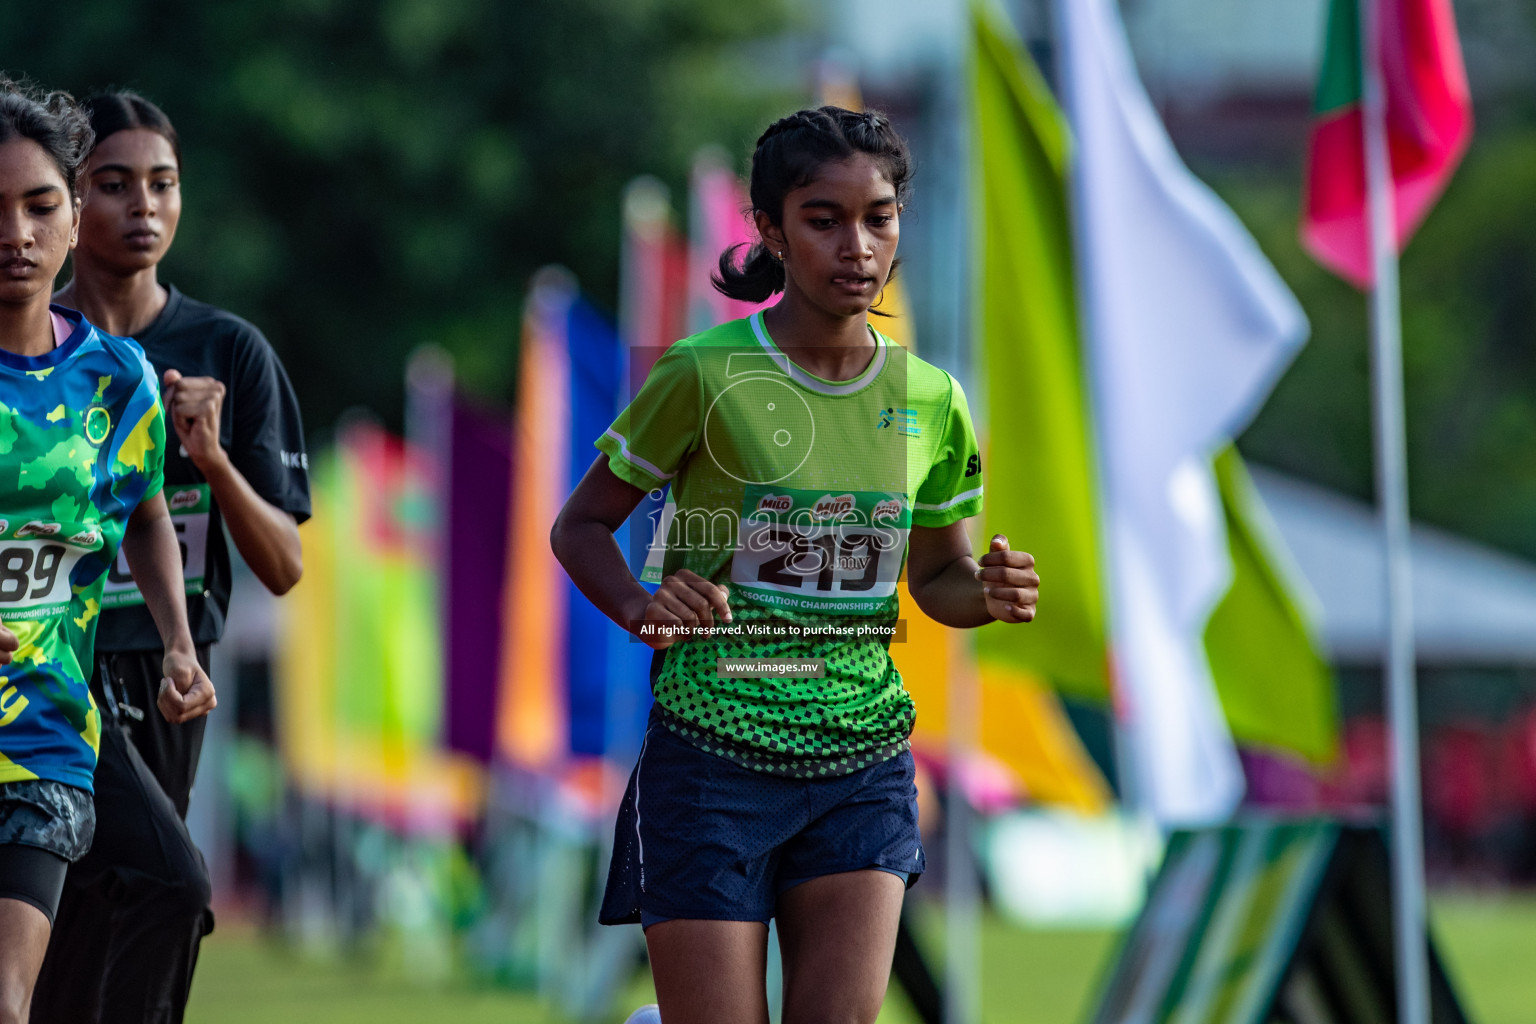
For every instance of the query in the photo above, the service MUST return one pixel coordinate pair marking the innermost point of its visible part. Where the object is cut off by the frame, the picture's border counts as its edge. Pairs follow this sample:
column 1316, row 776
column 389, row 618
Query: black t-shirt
column 261, row 431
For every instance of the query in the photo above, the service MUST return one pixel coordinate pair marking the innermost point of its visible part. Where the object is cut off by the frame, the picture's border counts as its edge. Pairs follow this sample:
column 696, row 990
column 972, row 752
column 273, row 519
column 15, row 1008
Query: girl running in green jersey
column 82, row 443
column 810, row 461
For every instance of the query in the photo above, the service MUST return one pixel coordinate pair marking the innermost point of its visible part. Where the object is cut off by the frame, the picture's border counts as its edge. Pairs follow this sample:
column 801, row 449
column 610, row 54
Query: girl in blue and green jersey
column 82, row 444
column 811, row 462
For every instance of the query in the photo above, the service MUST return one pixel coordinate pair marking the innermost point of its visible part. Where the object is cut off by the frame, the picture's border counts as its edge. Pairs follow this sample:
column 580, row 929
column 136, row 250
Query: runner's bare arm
column 953, row 588
column 582, row 539
column 154, row 558
column 266, row 536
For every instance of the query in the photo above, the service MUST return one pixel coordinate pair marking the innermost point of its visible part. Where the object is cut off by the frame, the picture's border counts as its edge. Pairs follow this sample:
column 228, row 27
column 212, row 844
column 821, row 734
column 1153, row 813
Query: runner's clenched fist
column 194, row 405
column 685, row 599
column 1009, row 581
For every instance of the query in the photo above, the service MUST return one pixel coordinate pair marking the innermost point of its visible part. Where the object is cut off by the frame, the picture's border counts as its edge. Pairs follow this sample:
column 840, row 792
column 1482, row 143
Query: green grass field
column 1029, row 977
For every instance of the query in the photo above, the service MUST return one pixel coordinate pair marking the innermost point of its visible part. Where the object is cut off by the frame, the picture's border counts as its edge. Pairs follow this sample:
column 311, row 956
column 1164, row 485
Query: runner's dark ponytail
column 52, row 120
column 789, row 155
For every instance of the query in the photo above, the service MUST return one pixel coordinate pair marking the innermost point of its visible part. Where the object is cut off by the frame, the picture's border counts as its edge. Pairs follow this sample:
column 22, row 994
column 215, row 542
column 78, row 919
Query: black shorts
column 44, row 825
column 703, row 838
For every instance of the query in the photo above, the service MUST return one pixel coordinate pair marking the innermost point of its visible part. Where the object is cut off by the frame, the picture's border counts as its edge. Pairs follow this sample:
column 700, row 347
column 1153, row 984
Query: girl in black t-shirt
column 73, row 404
column 136, row 907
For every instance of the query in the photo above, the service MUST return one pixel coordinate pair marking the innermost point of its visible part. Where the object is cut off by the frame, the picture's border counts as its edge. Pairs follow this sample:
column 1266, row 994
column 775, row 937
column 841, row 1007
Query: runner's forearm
column 595, row 563
column 266, row 536
column 154, row 558
column 953, row 596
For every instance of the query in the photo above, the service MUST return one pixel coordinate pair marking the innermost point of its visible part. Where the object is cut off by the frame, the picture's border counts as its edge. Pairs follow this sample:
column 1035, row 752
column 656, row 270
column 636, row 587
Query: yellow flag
column 1023, row 723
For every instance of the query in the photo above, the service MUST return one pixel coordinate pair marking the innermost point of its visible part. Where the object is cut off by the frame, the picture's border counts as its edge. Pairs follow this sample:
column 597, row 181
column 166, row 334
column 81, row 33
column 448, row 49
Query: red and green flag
column 1429, row 122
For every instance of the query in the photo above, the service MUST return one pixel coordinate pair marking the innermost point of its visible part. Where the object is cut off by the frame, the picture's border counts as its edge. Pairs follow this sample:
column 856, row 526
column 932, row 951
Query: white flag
column 1187, row 328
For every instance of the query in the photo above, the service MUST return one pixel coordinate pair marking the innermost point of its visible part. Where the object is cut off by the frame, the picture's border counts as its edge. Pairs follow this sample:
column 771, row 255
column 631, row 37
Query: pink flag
column 719, row 219
column 653, row 278
column 1429, row 124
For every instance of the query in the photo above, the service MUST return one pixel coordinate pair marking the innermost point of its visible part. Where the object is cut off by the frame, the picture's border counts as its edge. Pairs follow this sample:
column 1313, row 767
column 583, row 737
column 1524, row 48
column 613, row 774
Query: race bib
column 825, row 552
column 190, row 506
column 35, row 570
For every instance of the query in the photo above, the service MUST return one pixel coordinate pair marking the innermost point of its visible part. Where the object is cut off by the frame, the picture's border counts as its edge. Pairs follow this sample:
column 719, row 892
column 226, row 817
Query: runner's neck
column 831, row 348
column 124, row 306
column 26, row 331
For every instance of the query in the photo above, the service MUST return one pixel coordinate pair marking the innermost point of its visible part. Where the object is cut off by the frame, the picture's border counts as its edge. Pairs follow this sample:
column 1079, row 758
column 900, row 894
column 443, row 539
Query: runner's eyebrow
column 125, row 169
column 41, row 190
column 832, row 204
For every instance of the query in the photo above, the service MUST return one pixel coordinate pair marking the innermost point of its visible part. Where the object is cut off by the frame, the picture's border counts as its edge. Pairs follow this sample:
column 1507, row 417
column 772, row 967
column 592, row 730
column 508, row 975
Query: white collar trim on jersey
column 811, row 382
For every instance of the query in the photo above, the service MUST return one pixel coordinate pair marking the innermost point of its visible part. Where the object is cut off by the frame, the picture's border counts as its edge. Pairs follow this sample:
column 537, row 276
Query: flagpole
column 1408, row 900
column 962, row 888
column 962, row 897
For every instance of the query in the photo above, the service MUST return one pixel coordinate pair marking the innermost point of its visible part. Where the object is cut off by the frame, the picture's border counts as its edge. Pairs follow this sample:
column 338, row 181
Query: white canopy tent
column 1472, row 605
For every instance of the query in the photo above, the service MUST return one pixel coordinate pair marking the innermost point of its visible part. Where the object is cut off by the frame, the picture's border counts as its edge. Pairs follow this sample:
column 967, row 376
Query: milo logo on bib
column 823, row 552
column 829, row 507
column 781, row 503
column 190, row 506
column 186, row 499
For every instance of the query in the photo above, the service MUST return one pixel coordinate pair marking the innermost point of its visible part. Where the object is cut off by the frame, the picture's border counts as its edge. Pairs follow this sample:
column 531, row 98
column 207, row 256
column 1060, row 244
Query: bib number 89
column 29, row 576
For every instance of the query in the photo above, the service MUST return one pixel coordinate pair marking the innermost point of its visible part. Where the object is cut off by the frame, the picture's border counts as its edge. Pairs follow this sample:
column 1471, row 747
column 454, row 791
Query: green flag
column 361, row 663
column 388, row 671
column 1275, row 688
column 1039, row 478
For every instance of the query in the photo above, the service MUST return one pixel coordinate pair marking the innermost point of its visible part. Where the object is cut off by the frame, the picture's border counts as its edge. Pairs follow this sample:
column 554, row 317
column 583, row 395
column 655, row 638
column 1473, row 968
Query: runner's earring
column 781, row 255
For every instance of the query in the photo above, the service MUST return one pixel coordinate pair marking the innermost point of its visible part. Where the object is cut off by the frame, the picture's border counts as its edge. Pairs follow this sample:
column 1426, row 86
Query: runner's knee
column 190, row 900
column 194, row 889
column 183, row 901
column 833, row 1001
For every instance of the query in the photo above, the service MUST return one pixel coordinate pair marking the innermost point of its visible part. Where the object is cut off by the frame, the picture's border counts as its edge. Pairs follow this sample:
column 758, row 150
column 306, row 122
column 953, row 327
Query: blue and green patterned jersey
column 82, row 442
column 797, row 494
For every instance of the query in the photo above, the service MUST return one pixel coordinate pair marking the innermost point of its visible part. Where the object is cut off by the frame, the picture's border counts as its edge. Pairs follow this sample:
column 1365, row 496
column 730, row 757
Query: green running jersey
column 82, row 442
column 798, row 494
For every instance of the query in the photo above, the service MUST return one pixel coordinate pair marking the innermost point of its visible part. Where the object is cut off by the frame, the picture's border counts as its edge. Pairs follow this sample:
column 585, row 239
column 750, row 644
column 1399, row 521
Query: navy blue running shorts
column 700, row 837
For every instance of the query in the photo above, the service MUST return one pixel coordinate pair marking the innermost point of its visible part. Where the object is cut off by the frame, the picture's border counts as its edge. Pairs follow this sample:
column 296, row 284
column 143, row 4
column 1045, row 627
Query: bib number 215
column 851, row 562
